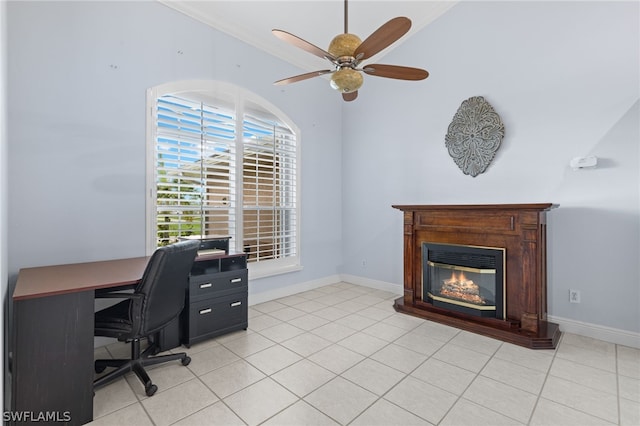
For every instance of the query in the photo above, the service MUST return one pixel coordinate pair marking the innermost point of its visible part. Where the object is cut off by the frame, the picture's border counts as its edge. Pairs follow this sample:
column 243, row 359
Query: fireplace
column 481, row 268
column 464, row 278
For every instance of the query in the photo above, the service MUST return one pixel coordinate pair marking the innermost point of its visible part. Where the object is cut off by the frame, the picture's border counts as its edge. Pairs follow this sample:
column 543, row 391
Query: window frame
column 216, row 92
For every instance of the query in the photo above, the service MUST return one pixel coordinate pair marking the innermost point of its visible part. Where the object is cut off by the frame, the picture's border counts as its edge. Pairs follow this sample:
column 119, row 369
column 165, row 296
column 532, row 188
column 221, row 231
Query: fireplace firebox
column 481, row 268
column 464, row 278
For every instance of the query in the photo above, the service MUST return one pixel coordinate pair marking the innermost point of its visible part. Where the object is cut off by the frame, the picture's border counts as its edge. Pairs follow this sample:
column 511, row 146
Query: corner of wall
column 3, row 193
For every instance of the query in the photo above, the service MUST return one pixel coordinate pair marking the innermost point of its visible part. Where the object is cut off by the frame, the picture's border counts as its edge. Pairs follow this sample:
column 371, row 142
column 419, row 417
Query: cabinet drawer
column 207, row 316
column 215, row 284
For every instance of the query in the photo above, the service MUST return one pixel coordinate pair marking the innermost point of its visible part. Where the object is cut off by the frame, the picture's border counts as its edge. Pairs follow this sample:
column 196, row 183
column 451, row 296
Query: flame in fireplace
column 461, row 288
column 460, row 278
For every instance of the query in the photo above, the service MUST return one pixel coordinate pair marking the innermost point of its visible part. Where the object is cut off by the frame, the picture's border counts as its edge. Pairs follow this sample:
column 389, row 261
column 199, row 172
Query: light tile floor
column 341, row 355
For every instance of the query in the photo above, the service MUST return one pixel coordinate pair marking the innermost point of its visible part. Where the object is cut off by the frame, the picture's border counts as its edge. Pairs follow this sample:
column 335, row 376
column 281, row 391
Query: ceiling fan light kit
column 346, row 51
column 346, row 80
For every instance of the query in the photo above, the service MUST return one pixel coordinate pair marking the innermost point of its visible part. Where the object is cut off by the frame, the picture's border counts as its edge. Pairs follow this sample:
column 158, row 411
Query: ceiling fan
column 346, row 51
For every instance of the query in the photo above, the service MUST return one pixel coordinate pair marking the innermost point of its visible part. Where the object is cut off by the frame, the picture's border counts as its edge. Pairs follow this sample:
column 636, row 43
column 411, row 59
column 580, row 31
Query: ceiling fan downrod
column 346, row 17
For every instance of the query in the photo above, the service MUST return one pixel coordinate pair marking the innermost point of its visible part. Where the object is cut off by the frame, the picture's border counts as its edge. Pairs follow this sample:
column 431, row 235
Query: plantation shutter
column 221, row 171
column 195, row 170
column 269, row 189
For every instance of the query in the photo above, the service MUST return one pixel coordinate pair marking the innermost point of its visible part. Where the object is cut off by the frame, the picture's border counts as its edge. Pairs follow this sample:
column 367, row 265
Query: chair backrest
column 163, row 287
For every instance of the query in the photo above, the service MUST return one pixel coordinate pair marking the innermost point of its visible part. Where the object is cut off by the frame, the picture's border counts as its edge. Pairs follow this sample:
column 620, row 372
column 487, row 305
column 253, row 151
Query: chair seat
column 114, row 321
column 156, row 301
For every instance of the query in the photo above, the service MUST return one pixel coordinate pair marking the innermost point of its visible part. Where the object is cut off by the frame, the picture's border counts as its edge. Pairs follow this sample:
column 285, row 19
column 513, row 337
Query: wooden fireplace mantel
column 518, row 228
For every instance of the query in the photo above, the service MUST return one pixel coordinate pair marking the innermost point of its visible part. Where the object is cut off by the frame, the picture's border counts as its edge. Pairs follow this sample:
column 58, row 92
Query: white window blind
column 195, row 167
column 221, row 171
column 269, row 189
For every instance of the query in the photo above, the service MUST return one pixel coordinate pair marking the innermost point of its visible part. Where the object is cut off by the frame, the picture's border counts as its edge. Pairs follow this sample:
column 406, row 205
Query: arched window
column 222, row 161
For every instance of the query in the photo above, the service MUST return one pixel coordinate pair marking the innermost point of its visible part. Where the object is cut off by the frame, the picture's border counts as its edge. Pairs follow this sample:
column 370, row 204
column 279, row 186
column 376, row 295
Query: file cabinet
column 216, row 298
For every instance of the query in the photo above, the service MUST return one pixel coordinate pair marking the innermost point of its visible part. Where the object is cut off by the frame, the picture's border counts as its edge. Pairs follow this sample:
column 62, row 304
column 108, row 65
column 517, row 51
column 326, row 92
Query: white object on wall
column 582, row 162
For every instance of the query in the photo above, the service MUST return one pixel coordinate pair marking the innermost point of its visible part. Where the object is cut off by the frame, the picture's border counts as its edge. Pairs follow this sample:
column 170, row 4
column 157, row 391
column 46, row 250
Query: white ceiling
column 314, row 21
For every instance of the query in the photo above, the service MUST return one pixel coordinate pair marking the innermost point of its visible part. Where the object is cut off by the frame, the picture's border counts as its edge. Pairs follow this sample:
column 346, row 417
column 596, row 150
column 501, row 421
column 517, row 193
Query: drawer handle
column 234, row 304
column 236, row 280
column 205, row 311
column 207, row 285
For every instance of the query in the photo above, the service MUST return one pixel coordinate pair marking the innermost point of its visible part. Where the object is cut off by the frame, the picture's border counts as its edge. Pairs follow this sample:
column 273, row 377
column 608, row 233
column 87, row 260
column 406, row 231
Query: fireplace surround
column 481, row 268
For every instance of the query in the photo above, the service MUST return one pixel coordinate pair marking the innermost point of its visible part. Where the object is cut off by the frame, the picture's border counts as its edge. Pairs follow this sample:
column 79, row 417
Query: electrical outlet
column 574, row 296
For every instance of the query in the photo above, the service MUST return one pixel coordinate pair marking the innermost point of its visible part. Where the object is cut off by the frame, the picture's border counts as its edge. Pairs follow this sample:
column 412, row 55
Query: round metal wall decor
column 474, row 135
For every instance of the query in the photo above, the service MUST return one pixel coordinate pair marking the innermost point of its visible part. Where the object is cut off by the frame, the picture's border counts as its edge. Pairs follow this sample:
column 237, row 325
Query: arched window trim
column 215, row 92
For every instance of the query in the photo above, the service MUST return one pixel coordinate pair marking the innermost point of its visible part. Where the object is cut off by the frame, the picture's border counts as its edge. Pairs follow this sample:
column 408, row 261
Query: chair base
column 136, row 364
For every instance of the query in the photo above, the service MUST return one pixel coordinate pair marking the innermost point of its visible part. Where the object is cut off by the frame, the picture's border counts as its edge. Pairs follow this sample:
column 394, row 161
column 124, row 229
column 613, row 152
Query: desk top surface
column 76, row 277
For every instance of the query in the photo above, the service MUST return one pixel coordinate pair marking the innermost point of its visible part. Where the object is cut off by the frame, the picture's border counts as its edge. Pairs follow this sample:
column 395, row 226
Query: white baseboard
column 268, row 295
column 378, row 285
column 595, row 331
column 265, row 296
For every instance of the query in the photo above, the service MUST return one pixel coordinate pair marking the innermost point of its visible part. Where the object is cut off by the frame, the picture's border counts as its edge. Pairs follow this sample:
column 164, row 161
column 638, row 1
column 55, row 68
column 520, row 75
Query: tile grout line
column 461, row 396
column 388, row 343
column 544, row 382
column 301, row 398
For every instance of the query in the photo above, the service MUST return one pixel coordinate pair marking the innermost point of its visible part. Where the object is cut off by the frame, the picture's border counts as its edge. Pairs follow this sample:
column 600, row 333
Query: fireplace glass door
column 466, row 279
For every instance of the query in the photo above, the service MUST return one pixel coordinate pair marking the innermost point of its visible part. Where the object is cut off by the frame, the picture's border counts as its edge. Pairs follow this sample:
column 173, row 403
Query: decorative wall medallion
column 474, row 135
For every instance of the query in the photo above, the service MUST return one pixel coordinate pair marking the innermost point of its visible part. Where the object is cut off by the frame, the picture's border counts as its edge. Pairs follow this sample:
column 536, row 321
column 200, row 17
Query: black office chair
column 157, row 300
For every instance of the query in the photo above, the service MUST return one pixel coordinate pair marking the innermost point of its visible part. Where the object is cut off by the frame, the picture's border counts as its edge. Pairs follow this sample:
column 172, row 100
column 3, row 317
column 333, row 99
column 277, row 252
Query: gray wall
column 78, row 74
column 564, row 78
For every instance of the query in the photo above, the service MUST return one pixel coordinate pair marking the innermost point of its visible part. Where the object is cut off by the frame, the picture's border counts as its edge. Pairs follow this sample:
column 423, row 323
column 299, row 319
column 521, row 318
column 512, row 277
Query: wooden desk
column 52, row 363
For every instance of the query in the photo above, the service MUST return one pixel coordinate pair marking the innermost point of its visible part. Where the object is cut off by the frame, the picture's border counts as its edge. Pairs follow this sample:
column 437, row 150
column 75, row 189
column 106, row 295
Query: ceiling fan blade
column 303, row 44
column 348, row 97
column 383, row 37
column 301, row 77
column 395, row 71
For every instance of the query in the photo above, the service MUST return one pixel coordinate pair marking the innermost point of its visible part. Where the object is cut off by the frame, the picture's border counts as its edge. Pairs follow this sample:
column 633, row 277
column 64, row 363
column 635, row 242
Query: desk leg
column 53, row 357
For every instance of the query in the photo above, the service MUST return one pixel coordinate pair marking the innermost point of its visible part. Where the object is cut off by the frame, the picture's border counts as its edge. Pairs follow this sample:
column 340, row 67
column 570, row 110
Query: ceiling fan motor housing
column 344, row 45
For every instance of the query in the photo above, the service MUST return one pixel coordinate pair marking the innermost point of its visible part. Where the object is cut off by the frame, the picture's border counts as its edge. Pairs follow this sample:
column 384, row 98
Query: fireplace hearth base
column 546, row 337
column 519, row 229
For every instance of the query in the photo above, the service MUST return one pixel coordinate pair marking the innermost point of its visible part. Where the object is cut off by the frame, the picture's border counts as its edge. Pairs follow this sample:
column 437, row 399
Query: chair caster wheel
column 150, row 390
column 186, row 361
